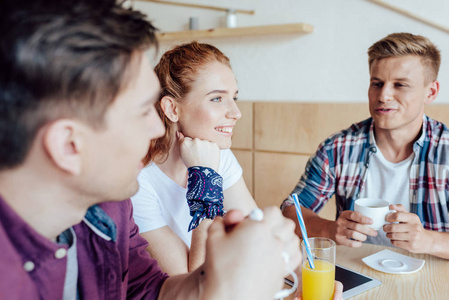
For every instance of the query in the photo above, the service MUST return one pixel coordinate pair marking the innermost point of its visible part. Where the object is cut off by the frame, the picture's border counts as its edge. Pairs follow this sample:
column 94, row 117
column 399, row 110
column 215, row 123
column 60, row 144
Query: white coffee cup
column 376, row 209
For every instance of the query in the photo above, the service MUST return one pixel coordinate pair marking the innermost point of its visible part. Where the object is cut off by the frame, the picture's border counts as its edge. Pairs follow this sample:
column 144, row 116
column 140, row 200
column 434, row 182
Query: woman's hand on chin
column 196, row 152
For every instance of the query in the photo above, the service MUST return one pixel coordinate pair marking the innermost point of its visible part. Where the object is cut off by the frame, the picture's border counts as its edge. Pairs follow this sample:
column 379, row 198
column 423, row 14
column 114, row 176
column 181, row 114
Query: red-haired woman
column 197, row 106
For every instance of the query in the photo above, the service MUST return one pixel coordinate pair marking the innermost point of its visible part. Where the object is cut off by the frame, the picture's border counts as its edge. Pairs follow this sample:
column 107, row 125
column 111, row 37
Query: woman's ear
column 62, row 143
column 170, row 108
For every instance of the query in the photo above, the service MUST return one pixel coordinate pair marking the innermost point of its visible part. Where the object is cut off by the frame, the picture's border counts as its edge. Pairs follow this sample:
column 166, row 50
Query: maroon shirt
column 32, row 267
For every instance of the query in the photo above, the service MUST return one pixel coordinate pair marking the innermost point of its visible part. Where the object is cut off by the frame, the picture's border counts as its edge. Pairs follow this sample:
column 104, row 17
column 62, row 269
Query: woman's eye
column 235, row 98
column 218, row 99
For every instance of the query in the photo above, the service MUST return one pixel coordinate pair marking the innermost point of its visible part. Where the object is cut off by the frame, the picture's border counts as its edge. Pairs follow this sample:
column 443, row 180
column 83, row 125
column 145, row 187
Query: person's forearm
column 197, row 251
column 185, row 286
column 194, row 286
column 316, row 226
column 440, row 244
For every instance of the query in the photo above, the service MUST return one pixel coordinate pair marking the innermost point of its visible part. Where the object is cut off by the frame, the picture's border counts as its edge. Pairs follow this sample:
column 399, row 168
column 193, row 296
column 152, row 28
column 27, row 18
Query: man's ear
column 170, row 108
column 62, row 143
column 432, row 93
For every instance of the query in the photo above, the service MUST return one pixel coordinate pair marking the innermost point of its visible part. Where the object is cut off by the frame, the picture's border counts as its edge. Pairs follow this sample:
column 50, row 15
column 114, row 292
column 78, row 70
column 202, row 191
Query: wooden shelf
column 294, row 28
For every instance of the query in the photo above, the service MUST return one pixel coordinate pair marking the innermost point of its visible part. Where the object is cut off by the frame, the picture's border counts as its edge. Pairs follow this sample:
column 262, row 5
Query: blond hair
column 402, row 44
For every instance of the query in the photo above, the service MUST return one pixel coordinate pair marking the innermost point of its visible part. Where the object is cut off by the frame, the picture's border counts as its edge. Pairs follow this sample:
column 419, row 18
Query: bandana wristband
column 204, row 195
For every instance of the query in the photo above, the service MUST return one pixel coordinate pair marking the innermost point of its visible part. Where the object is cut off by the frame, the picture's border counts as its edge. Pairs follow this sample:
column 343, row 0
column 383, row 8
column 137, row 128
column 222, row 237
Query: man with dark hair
column 399, row 155
column 77, row 115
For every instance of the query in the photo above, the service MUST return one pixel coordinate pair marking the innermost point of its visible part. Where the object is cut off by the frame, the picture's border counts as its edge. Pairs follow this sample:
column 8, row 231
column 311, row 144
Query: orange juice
column 318, row 283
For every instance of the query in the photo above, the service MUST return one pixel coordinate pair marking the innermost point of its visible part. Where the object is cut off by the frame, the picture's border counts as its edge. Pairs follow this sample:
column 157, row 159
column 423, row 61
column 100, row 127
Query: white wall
column 329, row 65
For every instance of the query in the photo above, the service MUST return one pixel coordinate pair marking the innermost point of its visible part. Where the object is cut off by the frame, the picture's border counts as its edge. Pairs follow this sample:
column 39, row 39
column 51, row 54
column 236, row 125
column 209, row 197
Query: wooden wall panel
column 329, row 210
column 275, row 176
column 439, row 112
column 245, row 159
column 243, row 132
column 300, row 127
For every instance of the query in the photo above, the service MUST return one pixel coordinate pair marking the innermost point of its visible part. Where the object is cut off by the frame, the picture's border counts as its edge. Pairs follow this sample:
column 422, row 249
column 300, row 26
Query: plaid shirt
column 340, row 166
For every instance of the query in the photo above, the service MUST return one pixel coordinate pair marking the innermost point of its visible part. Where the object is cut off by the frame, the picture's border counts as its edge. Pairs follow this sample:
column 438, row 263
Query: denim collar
column 100, row 223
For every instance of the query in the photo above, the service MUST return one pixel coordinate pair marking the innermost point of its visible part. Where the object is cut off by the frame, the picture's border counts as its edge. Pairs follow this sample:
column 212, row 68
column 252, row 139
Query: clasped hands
column 405, row 230
column 247, row 254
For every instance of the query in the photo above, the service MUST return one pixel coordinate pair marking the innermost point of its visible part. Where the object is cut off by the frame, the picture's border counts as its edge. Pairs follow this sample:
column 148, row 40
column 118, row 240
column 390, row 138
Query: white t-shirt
column 160, row 201
column 390, row 182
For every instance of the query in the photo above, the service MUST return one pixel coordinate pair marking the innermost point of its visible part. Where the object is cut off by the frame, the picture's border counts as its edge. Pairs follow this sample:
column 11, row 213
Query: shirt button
column 373, row 149
column 112, row 276
column 28, row 266
column 60, row 253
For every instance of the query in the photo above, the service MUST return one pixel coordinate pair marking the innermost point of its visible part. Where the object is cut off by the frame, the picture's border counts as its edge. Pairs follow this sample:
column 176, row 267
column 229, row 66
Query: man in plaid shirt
column 399, row 155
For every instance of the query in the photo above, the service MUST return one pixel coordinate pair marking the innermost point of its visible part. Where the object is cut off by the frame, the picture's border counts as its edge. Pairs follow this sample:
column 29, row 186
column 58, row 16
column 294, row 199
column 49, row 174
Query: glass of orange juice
column 318, row 283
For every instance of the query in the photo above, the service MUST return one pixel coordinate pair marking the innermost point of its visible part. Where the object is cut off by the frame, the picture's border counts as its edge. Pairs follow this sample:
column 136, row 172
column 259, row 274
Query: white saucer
column 394, row 263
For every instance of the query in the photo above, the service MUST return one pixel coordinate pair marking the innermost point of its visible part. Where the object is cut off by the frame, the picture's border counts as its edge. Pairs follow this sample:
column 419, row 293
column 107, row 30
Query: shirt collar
column 36, row 247
column 100, row 223
column 372, row 141
column 422, row 137
column 419, row 142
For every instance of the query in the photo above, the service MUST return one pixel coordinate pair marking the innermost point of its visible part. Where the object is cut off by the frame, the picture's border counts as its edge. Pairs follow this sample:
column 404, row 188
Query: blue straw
column 302, row 225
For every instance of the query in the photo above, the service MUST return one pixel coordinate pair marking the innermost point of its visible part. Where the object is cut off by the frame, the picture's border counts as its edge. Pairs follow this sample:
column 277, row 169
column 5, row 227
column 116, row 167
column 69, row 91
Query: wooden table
column 429, row 283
